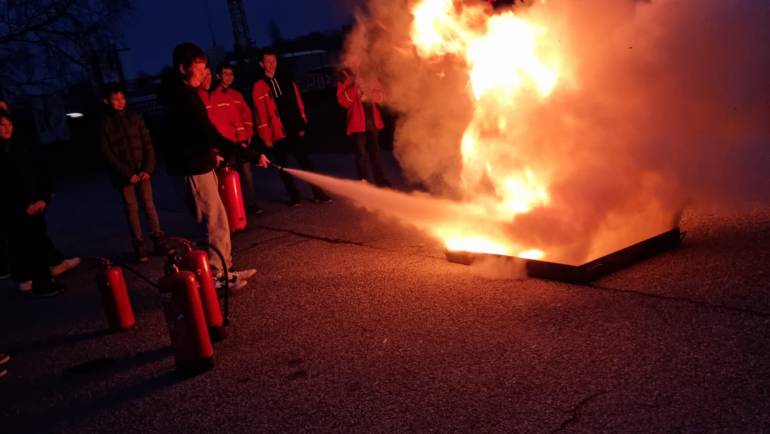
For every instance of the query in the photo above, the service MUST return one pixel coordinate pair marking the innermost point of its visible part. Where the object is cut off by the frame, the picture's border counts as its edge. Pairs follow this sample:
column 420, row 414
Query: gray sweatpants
column 209, row 210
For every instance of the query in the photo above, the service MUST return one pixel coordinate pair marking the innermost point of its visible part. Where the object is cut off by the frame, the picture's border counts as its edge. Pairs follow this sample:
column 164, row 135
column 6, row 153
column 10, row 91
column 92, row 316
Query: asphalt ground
column 358, row 324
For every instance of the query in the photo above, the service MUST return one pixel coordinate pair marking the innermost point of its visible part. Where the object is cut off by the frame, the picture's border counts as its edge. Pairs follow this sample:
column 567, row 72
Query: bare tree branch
column 60, row 10
column 65, row 36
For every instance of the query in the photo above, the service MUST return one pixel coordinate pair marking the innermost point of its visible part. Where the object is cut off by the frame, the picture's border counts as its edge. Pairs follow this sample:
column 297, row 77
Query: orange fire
column 509, row 59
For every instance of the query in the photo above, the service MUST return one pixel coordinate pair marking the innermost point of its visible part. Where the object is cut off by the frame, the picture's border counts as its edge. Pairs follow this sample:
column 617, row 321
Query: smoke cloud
column 664, row 104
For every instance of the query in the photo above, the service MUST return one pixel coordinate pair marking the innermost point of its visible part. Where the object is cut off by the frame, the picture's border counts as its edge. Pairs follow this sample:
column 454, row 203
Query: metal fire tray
column 590, row 270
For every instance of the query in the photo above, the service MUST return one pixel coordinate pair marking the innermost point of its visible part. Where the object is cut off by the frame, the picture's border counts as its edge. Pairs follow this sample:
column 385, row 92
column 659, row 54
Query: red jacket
column 269, row 125
column 230, row 114
column 349, row 95
column 206, row 98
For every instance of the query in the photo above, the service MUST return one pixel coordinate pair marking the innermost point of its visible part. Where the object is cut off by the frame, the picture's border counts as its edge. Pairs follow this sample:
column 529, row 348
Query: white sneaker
column 243, row 274
column 25, row 286
column 66, row 265
column 234, row 284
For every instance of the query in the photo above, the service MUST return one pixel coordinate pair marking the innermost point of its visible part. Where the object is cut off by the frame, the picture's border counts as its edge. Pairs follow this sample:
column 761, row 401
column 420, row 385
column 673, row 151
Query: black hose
column 141, row 276
column 226, row 273
column 106, row 262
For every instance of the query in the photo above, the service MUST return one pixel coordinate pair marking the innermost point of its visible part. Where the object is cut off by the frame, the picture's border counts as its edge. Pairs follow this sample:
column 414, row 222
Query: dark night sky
column 156, row 26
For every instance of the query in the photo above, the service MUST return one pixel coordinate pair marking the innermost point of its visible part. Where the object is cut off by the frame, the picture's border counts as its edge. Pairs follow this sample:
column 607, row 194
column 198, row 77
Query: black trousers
column 247, row 183
column 294, row 146
column 368, row 143
column 32, row 251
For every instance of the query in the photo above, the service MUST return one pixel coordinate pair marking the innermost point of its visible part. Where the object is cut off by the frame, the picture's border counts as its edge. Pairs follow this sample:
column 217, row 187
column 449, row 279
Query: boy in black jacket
column 25, row 190
column 127, row 148
column 195, row 144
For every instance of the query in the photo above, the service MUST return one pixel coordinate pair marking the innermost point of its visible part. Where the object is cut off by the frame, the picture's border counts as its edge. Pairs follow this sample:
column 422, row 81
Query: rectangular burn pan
column 589, row 271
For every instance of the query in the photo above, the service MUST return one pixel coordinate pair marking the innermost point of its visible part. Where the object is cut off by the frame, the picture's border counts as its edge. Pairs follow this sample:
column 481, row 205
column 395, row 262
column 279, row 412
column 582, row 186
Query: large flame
column 509, row 58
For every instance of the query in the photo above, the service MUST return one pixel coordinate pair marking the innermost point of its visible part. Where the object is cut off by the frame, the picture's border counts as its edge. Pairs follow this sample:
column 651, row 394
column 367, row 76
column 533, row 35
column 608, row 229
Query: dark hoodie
column 126, row 145
column 24, row 179
column 281, row 87
column 193, row 139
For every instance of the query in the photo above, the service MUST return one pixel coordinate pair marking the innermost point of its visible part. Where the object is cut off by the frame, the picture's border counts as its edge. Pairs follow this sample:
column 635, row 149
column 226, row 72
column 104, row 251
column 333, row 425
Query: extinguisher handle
column 103, row 261
column 184, row 241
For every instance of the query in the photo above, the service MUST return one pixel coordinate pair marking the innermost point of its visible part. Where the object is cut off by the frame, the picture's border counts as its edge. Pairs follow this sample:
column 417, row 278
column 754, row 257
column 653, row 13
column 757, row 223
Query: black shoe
column 140, row 252
column 45, row 289
column 254, row 210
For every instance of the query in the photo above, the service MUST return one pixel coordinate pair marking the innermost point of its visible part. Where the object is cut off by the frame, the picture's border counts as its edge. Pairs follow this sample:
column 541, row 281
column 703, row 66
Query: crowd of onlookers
column 212, row 126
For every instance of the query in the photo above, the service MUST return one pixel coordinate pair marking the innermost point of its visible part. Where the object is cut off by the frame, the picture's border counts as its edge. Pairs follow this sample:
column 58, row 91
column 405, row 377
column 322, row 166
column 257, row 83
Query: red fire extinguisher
column 186, row 321
column 232, row 197
column 117, row 305
column 197, row 261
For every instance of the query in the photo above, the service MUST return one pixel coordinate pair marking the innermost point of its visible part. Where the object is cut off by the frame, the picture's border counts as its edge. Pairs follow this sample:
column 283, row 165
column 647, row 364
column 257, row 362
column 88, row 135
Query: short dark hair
column 269, row 51
column 223, row 65
column 111, row 88
column 187, row 53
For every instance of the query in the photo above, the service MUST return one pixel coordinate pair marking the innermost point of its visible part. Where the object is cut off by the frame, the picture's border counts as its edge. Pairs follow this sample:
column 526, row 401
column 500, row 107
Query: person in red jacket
column 232, row 117
column 281, row 122
column 360, row 97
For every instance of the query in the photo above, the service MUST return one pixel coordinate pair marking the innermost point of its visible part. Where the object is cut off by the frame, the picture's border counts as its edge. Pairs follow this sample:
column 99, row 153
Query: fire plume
column 566, row 130
column 508, row 58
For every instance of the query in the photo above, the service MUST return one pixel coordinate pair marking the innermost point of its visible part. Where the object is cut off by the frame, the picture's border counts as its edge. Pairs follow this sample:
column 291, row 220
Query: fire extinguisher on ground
column 186, row 321
column 197, row 262
column 114, row 293
column 232, row 198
